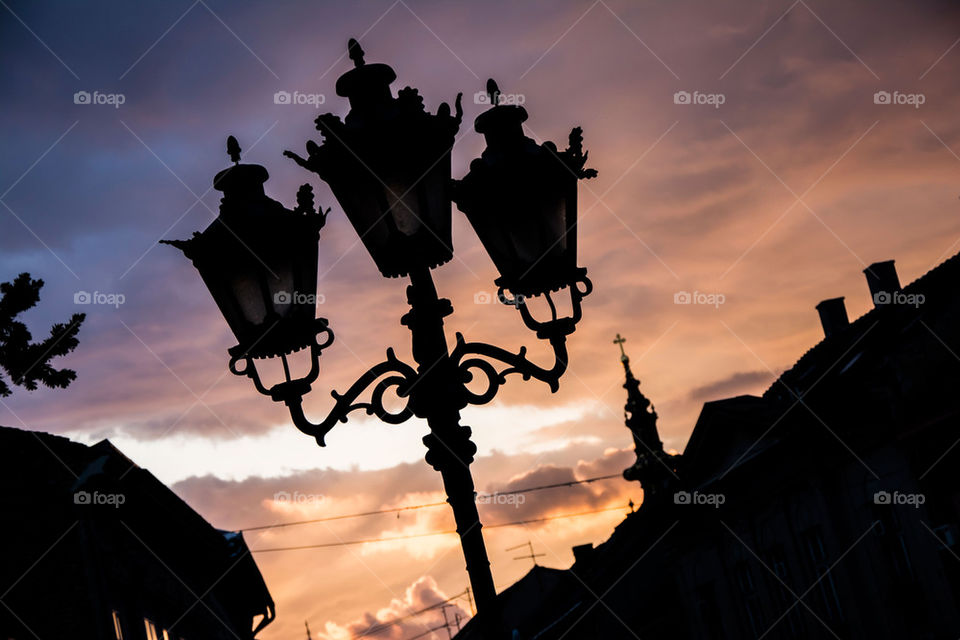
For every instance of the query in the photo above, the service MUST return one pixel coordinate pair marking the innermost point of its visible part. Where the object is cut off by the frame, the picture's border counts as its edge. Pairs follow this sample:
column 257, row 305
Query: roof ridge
column 952, row 261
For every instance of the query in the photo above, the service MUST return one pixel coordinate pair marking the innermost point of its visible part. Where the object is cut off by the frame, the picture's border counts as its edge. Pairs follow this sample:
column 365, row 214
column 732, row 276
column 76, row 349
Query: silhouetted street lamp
column 253, row 256
column 388, row 164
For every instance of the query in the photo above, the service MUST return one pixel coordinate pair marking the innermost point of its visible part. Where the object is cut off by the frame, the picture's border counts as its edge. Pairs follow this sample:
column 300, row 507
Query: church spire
column 639, row 414
column 654, row 468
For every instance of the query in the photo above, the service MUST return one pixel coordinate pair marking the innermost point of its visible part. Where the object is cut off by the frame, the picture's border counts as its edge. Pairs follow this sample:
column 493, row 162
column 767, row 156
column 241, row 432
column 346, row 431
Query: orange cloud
column 417, row 611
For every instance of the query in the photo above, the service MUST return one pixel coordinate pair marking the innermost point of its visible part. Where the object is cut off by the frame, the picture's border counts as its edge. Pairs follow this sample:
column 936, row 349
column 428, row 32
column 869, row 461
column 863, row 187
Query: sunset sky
column 770, row 202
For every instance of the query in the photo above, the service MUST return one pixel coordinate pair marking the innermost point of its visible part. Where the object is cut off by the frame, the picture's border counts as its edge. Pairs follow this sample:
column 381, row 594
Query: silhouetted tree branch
column 26, row 362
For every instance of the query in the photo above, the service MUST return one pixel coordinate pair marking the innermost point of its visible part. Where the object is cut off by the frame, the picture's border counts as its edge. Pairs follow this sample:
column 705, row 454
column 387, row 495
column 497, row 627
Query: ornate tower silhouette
column 654, row 469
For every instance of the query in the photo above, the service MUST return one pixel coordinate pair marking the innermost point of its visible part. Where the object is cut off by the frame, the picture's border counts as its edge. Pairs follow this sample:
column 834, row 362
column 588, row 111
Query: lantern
column 388, row 164
column 521, row 199
column 259, row 261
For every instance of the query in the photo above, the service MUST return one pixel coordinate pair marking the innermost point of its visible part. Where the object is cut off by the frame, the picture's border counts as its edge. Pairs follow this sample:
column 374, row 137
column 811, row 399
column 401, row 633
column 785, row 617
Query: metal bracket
column 516, row 363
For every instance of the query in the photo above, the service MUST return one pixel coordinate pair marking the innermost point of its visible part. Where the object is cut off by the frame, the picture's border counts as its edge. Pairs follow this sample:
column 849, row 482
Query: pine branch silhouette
column 28, row 363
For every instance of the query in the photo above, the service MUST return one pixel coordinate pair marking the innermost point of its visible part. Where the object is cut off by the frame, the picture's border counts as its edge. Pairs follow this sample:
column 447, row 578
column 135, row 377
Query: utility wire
column 556, row 485
column 346, row 543
column 343, row 543
column 429, row 505
column 344, row 516
column 556, row 517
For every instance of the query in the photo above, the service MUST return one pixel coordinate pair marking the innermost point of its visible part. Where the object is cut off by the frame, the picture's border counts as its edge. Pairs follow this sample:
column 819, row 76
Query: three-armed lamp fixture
column 388, row 165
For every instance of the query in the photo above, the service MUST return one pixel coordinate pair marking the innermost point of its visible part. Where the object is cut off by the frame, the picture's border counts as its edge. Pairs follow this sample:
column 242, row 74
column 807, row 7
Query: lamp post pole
column 437, row 397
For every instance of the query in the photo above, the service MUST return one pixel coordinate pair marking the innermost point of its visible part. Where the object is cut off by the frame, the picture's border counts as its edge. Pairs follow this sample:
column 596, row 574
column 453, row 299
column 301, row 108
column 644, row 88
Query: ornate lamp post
column 388, row 164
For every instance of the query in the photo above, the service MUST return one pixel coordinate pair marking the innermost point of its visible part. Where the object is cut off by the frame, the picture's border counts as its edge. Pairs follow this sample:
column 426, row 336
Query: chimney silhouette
column 582, row 551
column 883, row 282
column 833, row 316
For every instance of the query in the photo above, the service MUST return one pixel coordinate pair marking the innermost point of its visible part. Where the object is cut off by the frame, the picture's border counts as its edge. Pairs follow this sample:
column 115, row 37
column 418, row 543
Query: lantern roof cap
column 363, row 77
column 240, row 176
column 500, row 116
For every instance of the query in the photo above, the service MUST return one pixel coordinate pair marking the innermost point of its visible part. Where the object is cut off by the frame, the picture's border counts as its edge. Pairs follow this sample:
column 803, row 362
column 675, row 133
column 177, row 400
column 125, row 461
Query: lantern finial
column 493, row 91
column 356, row 52
column 233, row 148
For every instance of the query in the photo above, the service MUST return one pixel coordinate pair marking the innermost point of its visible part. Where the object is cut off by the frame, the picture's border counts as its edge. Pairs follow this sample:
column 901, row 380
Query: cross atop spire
column 619, row 341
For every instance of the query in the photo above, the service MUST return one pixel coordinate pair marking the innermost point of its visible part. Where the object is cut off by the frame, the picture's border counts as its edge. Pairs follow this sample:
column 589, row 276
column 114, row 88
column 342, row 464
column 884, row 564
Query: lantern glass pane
column 283, row 293
column 404, row 208
column 525, row 216
column 248, row 295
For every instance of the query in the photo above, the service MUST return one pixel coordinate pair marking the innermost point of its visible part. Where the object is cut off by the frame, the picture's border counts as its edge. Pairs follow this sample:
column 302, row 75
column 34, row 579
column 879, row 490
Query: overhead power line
column 484, row 496
column 343, row 543
column 344, row 516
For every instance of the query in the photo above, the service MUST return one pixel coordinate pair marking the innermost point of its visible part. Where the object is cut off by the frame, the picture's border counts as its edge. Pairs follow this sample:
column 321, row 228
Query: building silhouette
column 96, row 547
column 827, row 507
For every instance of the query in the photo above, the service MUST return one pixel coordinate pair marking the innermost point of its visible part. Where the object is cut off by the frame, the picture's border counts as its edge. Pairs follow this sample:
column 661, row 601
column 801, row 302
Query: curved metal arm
column 292, row 390
column 556, row 330
column 403, row 378
column 393, row 373
column 517, row 363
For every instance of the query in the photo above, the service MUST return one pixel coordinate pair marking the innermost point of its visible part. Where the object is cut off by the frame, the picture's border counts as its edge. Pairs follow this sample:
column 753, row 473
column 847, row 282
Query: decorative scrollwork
column 516, row 363
column 494, row 380
column 469, row 359
column 346, row 401
column 291, row 390
column 555, row 330
column 402, row 379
